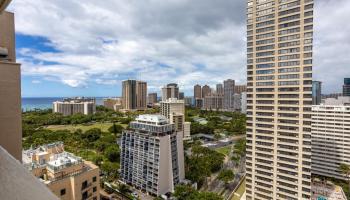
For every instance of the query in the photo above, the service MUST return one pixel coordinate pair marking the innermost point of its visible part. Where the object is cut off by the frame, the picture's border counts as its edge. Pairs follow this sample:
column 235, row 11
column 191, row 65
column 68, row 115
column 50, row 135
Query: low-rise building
column 71, row 106
column 152, row 156
column 113, row 103
column 69, row 177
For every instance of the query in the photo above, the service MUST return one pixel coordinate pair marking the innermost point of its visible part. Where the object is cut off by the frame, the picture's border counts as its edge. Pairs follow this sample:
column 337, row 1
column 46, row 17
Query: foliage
column 186, row 192
column 202, row 163
column 112, row 153
column 226, row 175
column 115, row 128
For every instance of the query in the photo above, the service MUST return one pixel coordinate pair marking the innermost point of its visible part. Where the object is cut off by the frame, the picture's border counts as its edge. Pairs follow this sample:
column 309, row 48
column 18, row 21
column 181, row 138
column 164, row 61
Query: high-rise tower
column 279, row 98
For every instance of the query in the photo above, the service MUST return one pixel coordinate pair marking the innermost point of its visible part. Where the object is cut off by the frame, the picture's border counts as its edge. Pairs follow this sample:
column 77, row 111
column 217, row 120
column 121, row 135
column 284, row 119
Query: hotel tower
column 279, row 98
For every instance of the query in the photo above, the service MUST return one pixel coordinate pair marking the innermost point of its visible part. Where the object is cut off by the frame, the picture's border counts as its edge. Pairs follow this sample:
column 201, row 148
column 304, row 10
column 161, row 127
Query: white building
column 174, row 110
column 330, row 139
column 74, row 106
column 152, row 156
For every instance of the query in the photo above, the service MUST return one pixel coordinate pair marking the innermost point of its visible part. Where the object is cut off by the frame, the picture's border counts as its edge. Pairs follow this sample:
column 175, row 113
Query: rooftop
column 152, row 118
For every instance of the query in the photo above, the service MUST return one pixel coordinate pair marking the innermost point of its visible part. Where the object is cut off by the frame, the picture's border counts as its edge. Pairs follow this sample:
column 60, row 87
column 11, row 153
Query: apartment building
column 152, row 157
column 229, row 91
column 71, row 106
column 152, row 98
column 205, row 91
column 197, row 91
column 134, row 95
column 330, row 139
column 113, row 103
column 171, row 90
column 279, row 98
column 174, row 110
column 240, row 88
column 219, row 88
column 213, row 101
column 67, row 176
column 10, row 86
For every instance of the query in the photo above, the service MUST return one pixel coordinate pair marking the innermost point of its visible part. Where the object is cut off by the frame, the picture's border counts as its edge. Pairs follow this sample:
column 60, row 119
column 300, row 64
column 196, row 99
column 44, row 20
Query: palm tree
column 345, row 170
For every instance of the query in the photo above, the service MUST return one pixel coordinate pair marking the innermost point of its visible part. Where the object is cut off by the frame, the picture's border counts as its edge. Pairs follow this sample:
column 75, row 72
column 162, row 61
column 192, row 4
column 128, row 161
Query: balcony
column 4, row 54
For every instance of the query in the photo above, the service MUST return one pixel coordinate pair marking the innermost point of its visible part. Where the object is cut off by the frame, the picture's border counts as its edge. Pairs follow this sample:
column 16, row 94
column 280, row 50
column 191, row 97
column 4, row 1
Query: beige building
column 240, row 88
column 205, row 91
column 229, row 91
column 134, row 95
column 279, row 98
column 113, row 103
column 152, row 155
column 171, row 90
column 67, row 176
column 152, row 99
column 213, row 101
column 174, row 110
column 10, row 86
column 71, row 106
column 197, row 92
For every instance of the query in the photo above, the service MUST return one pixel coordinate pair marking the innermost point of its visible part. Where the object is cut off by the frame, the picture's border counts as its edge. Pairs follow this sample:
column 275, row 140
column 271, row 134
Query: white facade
column 74, row 106
column 330, row 139
column 152, row 156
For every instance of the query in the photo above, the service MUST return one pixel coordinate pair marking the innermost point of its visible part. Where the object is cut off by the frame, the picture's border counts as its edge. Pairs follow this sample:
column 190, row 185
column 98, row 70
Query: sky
column 86, row 48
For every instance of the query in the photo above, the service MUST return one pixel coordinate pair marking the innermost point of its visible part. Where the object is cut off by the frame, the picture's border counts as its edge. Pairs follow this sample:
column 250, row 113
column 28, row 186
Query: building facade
column 279, row 99
column 316, row 92
column 213, row 101
column 10, row 86
column 71, row 106
column 346, row 87
column 205, row 91
column 240, row 88
column 113, row 103
column 67, row 176
column 174, row 110
column 330, row 139
column 229, row 91
column 152, row 98
column 219, row 88
column 134, row 95
column 170, row 91
column 197, row 92
column 152, row 157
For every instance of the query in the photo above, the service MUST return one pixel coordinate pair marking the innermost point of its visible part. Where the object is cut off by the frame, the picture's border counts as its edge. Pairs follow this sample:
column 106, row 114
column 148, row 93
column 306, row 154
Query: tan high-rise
column 10, row 86
column 134, row 95
column 279, row 56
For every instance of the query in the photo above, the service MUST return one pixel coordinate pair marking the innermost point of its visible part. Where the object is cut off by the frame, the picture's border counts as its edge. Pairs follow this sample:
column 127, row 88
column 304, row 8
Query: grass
column 224, row 150
column 84, row 127
column 239, row 192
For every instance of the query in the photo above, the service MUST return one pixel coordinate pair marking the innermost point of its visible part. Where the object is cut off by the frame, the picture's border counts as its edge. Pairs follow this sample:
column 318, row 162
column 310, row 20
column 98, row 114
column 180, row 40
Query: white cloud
column 36, row 81
column 184, row 41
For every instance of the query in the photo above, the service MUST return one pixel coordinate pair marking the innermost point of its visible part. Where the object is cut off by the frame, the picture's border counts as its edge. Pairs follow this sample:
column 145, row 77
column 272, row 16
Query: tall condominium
column 152, row 98
column 174, row 110
column 330, row 139
column 67, row 176
column 220, row 88
column 152, row 157
column 197, row 92
column 10, row 86
column 279, row 98
column 316, row 92
column 73, row 106
column 240, row 88
column 229, row 91
column 213, row 101
column 134, row 95
column 346, row 87
column 181, row 95
column 205, row 91
column 170, row 91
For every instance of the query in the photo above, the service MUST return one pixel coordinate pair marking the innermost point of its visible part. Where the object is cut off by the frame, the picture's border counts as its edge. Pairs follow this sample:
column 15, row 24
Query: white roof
column 152, row 118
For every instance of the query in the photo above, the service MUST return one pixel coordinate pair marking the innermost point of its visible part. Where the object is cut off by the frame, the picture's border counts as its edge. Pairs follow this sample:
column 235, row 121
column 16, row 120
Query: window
column 94, row 189
column 94, row 179
column 63, row 192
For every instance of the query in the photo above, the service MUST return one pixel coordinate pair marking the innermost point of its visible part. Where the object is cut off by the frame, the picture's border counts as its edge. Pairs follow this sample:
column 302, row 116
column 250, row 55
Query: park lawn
column 239, row 191
column 224, row 150
column 84, row 127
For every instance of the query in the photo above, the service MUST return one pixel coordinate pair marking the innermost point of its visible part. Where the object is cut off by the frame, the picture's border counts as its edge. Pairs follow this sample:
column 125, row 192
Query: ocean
column 31, row 103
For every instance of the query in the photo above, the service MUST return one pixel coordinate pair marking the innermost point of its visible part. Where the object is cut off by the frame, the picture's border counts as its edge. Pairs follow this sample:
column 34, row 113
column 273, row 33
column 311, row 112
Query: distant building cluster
column 71, row 106
column 226, row 97
column 69, row 177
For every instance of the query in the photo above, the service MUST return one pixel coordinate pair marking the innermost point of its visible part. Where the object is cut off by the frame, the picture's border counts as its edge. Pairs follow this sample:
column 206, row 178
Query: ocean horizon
column 32, row 103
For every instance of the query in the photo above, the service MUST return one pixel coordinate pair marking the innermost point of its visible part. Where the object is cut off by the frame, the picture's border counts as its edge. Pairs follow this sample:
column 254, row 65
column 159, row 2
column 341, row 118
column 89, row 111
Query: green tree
column 345, row 170
column 115, row 129
column 186, row 192
column 226, row 176
column 111, row 170
column 112, row 153
column 92, row 135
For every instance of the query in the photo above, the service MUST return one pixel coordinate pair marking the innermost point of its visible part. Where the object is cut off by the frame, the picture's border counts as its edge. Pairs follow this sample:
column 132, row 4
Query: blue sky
column 86, row 48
